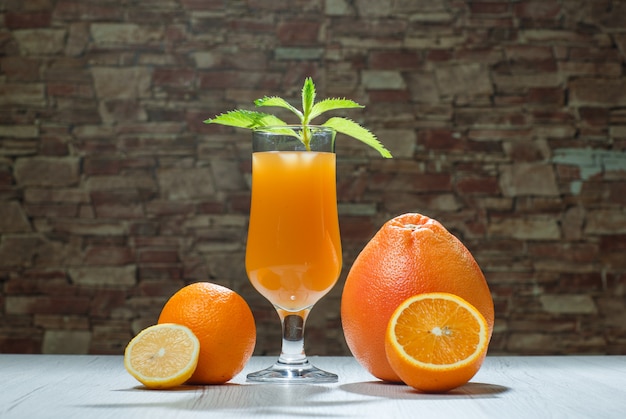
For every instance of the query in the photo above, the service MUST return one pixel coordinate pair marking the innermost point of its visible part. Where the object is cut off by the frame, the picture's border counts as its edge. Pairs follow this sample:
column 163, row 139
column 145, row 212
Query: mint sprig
column 310, row 109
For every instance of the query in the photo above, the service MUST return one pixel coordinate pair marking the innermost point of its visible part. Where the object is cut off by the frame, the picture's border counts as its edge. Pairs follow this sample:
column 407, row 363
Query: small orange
column 436, row 342
column 162, row 356
column 223, row 323
column 410, row 254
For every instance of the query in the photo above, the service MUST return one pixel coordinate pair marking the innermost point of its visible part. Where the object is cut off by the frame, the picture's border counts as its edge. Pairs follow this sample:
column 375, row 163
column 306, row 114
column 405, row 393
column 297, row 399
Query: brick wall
column 507, row 120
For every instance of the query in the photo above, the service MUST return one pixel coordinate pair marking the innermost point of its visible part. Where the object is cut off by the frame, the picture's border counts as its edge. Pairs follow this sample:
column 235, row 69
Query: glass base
column 304, row 373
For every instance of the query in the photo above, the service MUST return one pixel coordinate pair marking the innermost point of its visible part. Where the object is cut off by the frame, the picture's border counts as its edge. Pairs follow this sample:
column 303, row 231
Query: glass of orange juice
column 293, row 253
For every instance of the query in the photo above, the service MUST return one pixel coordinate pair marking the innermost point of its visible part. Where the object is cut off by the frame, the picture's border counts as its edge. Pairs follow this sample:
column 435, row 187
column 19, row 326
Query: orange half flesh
column 436, row 341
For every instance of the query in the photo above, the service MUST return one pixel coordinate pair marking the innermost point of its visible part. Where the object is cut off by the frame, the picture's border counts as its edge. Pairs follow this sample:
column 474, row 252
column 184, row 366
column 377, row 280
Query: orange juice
column 293, row 254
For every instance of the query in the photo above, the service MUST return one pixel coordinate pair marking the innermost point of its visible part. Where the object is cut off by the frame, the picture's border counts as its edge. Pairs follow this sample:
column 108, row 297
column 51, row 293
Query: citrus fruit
column 223, row 323
column 162, row 356
column 436, row 342
column 411, row 254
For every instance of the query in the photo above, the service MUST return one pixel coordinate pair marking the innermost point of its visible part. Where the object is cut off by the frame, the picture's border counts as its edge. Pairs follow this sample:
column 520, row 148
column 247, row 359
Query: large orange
column 223, row 323
column 411, row 254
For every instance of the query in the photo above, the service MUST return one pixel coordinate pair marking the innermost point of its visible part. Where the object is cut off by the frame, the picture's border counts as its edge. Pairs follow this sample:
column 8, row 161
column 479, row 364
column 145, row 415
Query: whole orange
column 223, row 323
column 411, row 254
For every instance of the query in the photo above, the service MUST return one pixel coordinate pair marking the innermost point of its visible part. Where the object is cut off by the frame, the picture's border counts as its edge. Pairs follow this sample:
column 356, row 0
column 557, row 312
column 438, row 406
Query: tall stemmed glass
column 293, row 253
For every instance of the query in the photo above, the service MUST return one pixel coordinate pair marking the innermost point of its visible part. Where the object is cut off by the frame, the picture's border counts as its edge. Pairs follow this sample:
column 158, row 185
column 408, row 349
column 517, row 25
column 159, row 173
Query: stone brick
column 156, row 273
column 530, row 228
column 295, row 32
column 380, row 96
column 604, row 221
column 120, row 211
column 158, row 256
column 417, row 6
column 475, row 185
column 40, row 41
column 74, row 10
column 538, row 9
column 566, row 251
column 77, row 39
column 13, row 219
column 481, row 118
column 180, row 184
column 528, row 53
column 18, row 250
column 105, row 302
column 66, row 342
column 24, row 94
column 89, row 227
column 394, row 60
column 124, row 33
column 441, row 139
column 20, row 68
column 525, row 151
column 505, row 83
column 373, row 7
column 56, row 195
column 488, row 8
column 140, row 181
column 21, row 20
column 403, row 202
column 57, row 322
column 426, row 182
column 423, row 87
column 572, row 224
column 577, row 68
column 401, row 142
column 506, row 121
column 203, row 5
column 52, row 210
column 176, row 77
column 299, row 53
column 382, row 79
column 338, row 8
column 65, row 89
column 267, row 81
column 463, row 79
column 528, row 179
column 40, row 281
column 108, row 255
column 356, row 229
column 104, row 277
column 530, row 343
column 72, row 305
column 545, row 96
column 47, row 171
column 122, row 111
column 169, row 208
column 121, row 83
column 226, row 175
column 597, row 92
column 568, row 304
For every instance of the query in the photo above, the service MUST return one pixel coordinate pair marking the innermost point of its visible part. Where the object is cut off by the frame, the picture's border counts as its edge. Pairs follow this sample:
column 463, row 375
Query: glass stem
column 292, row 351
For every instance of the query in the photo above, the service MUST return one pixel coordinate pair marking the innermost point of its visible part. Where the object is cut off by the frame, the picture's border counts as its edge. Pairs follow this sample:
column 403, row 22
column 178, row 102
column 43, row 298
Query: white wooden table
column 93, row 387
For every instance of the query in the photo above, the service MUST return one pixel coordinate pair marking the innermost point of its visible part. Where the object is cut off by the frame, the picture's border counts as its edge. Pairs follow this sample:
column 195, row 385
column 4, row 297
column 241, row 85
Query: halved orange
column 436, row 341
column 162, row 356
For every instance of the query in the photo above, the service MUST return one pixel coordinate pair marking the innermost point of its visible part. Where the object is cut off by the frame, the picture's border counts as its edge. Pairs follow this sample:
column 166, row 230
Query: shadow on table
column 292, row 400
column 400, row 391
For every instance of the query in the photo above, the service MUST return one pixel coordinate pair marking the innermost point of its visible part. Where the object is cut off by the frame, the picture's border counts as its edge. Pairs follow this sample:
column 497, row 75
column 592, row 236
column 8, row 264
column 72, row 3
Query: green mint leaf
column 348, row 127
column 308, row 98
column 332, row 104
column 279, row 102
column 252, row 120
column 245, row 119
